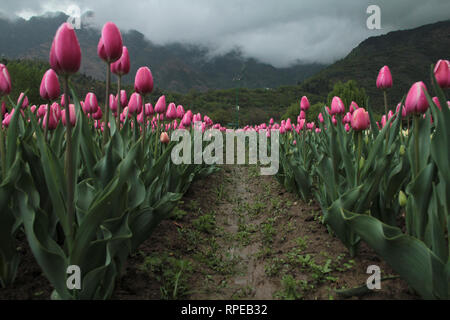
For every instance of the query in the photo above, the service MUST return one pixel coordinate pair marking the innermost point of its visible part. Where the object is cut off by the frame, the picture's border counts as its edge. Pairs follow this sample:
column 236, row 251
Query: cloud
column 277, row 32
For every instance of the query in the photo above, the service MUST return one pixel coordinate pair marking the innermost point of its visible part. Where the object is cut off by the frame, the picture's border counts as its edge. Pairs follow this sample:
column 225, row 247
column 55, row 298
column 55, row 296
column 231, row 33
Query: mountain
column 408, row 53
column 175, row 67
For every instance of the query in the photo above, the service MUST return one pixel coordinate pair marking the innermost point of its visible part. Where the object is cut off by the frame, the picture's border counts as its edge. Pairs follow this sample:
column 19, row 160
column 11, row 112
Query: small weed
column 172, row 274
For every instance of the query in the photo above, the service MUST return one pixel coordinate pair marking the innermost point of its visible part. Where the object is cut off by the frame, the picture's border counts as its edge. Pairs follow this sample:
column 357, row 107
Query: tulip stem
column 144, row 122
column 386, row 115
column 359, row 133
column 2, row 148
column 416, row 143
column 106, row 115
column 119, row 103
column 156, row 137
column 69, row 163
column 47, row 118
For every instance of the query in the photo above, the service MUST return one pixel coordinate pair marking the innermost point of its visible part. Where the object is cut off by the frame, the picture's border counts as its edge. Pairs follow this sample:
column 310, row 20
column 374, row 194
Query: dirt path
column 238, row 235
column 235, row 235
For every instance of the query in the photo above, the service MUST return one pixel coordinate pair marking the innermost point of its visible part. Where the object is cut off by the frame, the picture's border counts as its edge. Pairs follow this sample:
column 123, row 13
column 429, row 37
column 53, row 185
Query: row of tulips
column 380, row 184
column 87, row 184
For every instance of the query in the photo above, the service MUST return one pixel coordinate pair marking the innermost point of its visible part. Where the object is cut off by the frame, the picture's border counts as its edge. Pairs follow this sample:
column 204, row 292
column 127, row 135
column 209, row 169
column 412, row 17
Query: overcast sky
column 279, row 32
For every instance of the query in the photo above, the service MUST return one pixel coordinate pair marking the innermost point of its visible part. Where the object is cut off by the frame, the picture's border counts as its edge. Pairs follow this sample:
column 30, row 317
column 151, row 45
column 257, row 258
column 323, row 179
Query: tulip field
column 89, row 182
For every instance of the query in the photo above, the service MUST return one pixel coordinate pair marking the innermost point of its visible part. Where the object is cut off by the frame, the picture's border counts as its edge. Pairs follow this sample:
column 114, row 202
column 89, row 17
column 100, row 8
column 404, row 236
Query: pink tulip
column 337, row 106
column 304, row 104
column 164, row 138
column 347, row 118
column 442, row 73
column 143, row 83
column 49, row 89
column 53, row 119
column 360, row 120
column 148, row 108
column 110, row 46
column 302, row 115
column 160, row 106
column 171, row 111
column 122, row 66
column 113, row 103
column 347, row 127
column 353, row 107
column 384, row 80
column 186, row 121
column 320, row 118
column 135, row 104
column 123, row 98
column 97, row 115
column 383, row 121
column 416, row 101
column 333, row 120
column 91, row 103
column 403, row 113
column 208, row 121
column 180, row 112
column 140, row 117
column 41, row 111
column 5, row 81
column 437, row 103
column 65, row 55
column 72, row 115
column 288, row 125
column 7, row 118
column 24, row 101
column 63, row 100
column 301, row 124
column 282, row 129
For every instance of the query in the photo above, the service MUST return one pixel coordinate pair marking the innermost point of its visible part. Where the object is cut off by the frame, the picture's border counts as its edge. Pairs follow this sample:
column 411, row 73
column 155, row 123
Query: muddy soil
column 235, row 235
column 244, row 237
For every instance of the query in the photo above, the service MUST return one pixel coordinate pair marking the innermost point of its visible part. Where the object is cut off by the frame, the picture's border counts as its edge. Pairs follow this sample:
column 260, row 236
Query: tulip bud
column 384, row 80
column 164, row 138
column 91, row 103
column 416, row 101
column 49, row 89
column 402, row 199
column 304, row 104
column 122, row 66
column 113, row 103
column 110, row 45
column 123, row 98
column 143, row 82
column 180, row 112
column 171, row 112
column 148, row 108
column 72, row 115
column 360, row 120
column 97, row 115
column 442, row 73
column 24, row 100
column 65, row 55
column 160, row 106
column 361, row 163
column 5, row 81
column 337, row 106
column 135, row 104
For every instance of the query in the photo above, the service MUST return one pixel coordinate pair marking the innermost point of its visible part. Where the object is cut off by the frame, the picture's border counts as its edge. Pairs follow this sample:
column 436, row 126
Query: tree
column 348, row 92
